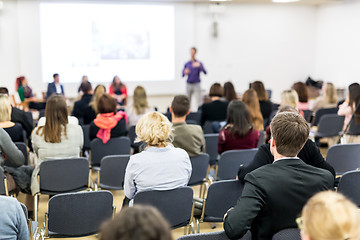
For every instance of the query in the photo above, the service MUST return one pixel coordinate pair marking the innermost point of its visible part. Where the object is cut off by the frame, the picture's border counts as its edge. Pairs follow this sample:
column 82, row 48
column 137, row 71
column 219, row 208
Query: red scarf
column 106, row 122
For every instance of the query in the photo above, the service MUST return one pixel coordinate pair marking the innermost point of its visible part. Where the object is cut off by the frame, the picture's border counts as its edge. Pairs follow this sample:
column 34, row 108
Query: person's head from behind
column 302, row 91
column 56, row 115
column 329, row 215
column 289, row 133
column 180, row 106
column 259, row 88
column 136, row 223
column 287, row 108
column 289, row 97
column 140, row 100
column 251, row 99
column 56, row 77
column 5, row 108
column 98, row 92
column 86, row 87
column 229, row 91
column 216, row 90
column 238, row 118
column 193, row 51
column 154, row 129
column 4, row 90
column 330, row 92
column 354, row 93
column 106, row 104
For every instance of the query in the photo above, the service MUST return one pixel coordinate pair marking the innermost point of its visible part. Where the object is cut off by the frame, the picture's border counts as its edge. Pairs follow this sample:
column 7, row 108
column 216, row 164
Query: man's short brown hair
column 290, row 132
column 180, row 105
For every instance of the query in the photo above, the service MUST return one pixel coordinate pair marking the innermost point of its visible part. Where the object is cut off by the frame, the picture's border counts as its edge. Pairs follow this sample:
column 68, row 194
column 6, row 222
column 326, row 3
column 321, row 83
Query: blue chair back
column 344, row 157
column 112, row 171
column 330, row 125
column 349, row 186
column 211, row 143
column 200, row 166
column 287, row 234
column 322, row 111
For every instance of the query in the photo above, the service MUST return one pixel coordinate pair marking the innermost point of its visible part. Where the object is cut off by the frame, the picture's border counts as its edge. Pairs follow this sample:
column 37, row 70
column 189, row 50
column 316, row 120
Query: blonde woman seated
column 329, row 216
column 139, row 107
column 327, row 100
column 160, row 166
column 57, row 138
column 291, row 98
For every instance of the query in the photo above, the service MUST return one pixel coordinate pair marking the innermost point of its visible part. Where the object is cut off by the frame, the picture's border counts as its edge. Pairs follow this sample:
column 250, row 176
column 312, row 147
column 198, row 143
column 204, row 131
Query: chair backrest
column 307, row 115
column 86, row 132
column 344, row 157
column 2, row 182
column 287, row 234
column 64, row 175
column 322, row 111
column 200, row 166
column 261, row 139
column 221, row 196
column 354, row 128
column 22, row 147
column 230, row 162
column 132, row 133
column 211, row 143
column 194, row 116
column 208, row 127
column 349, row 186
column 115, row 146
column 175, row 205
column 330, row 125
column 112, row 171
column 79, row 214
column 221, row 235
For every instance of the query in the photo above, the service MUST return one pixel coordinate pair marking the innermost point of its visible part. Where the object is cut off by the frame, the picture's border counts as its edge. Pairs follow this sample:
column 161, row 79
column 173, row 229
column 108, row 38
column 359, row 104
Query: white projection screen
column 135, row 42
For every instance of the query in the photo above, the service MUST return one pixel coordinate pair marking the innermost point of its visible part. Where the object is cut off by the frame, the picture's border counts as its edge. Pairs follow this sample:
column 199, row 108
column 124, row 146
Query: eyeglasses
column 299, row 222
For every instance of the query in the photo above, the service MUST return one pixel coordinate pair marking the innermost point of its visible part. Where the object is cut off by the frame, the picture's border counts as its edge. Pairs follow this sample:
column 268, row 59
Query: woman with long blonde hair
column 329, row 216
column 328, row 100
column 91, row 111
column 252, row 103
column 139, row 107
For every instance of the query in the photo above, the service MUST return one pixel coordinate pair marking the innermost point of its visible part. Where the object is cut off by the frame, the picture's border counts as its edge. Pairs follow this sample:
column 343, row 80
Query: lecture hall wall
column 278, row 44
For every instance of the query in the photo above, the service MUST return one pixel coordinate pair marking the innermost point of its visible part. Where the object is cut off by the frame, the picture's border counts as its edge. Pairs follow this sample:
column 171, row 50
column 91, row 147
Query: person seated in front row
column 160, row 166
column 238, row 132
column 81, row 105
column 274, row 194
column 108, row 123
column 12, row 221
column 137, row 223
column 329, row 215
column 189, row 137
column 310, row 154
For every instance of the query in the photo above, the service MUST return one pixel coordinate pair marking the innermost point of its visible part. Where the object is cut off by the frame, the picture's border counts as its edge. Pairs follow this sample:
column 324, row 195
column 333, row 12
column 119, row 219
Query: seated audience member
column 12, row 221
column 91, row 111
column 309, row 153
column 84, row 80
column 329, row 216
column 137, row 222
column 350, row 105
column 265, row 103
column 57, row 138
column 229, row 92
column 252, row 103
column 118, row 90
column 80, row 106
column 26, row 94
column 20, row 116
column 55, row 87
column 238, row 132
column 327, row 100
column 108, row 123
column 139, row 107
column 274, row 194
column 216, row 109
column 291, row 98
column 303, row 94
column 160, row 166
column 189, row 137
column 15, row 130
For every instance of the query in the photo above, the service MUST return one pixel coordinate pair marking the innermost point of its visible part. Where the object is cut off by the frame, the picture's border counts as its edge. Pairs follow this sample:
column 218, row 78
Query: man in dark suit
column 55, row 87
column 274, row 194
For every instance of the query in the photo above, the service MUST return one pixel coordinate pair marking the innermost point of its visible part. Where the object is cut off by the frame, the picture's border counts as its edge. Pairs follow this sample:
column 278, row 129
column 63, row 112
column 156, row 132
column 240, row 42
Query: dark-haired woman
column 238, row 132
column 229, row 92
column 108, row 123
column 56, row 138
column 118, row 90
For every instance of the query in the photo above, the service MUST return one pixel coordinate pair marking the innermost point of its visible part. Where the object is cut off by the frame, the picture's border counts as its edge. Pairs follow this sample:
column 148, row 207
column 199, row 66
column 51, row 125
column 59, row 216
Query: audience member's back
column 189, row 137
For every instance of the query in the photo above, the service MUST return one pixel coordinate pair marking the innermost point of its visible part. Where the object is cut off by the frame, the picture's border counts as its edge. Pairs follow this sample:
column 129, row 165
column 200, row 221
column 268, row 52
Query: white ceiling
column 301, row 2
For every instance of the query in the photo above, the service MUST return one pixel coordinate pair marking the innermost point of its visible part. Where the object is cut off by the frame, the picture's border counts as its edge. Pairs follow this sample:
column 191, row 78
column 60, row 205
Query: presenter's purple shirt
column 194, row 75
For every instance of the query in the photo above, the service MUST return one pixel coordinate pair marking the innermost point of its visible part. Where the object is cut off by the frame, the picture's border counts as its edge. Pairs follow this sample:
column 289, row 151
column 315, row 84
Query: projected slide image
column 120, row 44
column 135, row 42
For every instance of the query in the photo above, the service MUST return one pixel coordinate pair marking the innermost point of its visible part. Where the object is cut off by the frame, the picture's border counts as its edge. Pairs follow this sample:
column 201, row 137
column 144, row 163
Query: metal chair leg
column 36, row 200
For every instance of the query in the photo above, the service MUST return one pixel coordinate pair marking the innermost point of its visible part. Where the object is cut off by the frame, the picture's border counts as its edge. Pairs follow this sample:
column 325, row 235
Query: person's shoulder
column 178, row 151
column 194, row 127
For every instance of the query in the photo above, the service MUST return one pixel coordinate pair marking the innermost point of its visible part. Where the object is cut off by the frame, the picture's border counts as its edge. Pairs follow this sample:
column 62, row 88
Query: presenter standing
column 192, row 69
